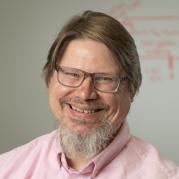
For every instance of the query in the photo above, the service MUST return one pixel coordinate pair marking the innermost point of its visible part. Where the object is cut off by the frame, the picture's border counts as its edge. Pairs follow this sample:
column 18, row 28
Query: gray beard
column 86, row 145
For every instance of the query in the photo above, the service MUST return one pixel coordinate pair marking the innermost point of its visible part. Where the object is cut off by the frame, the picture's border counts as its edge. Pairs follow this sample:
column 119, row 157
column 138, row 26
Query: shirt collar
column 113, row 149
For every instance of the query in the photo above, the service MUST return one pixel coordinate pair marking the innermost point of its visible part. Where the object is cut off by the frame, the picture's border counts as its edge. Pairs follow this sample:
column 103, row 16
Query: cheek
column 55, row 93
column 119, row 108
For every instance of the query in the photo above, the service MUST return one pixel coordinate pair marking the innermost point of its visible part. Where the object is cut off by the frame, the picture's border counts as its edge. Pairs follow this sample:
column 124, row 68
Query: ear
column 132, row 99
column 131, row 93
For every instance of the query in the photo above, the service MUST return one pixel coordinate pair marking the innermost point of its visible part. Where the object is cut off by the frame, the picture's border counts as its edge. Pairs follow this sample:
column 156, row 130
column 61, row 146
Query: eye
column 71, row 74
column 104, row 79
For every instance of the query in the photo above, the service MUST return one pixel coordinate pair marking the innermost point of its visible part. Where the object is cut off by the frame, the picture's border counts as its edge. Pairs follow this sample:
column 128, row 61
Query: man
column 92, row 74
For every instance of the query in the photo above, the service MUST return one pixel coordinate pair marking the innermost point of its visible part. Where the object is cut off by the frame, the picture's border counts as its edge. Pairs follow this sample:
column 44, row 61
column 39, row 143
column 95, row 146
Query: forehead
column 89, row 55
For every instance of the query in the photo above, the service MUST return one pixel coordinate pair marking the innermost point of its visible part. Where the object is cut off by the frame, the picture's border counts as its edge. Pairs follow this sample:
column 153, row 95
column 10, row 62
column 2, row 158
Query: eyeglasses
column 103, row 82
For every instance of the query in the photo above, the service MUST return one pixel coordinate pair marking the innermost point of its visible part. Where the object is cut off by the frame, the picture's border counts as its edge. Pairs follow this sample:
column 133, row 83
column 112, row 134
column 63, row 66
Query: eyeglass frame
column 91, row 75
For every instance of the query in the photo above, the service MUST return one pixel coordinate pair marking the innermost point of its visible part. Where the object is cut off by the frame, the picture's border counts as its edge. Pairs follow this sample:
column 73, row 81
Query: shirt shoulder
column 25, row 157
column 32, row 145
column 151, row 160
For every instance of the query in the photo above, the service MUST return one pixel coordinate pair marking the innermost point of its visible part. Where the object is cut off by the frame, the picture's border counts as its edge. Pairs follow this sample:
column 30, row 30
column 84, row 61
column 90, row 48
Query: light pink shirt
column 127, row 157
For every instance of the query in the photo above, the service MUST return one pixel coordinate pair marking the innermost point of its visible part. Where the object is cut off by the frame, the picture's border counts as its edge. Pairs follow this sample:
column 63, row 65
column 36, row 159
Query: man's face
column 83, row 108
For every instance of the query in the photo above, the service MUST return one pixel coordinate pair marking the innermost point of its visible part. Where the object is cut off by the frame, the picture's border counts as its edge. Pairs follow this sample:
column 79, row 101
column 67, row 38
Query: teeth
column 82, row 111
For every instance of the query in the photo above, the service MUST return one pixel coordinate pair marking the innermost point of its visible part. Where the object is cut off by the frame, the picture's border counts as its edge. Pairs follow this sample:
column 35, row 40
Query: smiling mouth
column 85, row 111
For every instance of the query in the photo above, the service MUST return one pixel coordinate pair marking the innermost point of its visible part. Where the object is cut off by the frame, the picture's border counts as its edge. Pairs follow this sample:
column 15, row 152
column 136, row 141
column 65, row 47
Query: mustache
column 90, row 103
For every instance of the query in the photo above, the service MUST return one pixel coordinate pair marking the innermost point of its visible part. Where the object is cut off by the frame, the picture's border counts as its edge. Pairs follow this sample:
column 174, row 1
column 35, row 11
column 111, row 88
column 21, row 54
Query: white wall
column 27, row 29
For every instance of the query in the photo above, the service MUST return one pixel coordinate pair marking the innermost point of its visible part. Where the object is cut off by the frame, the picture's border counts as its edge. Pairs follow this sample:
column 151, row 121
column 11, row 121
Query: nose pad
column 86, row 90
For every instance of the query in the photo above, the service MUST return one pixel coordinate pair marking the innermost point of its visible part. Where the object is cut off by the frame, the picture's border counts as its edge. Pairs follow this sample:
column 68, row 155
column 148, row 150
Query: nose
column 86, row 90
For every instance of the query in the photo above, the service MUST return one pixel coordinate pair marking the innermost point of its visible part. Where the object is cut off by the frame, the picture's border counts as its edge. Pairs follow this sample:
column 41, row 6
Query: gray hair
column 103, row 28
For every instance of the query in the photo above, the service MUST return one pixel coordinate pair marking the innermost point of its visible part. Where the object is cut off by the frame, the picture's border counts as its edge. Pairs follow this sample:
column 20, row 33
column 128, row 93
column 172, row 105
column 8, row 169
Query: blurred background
column 27, row 30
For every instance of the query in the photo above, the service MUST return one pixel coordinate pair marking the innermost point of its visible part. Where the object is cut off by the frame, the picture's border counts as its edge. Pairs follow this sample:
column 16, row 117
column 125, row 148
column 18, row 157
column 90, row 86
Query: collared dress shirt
column 127, row 157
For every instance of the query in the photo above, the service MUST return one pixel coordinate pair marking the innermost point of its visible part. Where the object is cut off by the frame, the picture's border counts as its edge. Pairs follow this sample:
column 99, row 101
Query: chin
column 83, row 129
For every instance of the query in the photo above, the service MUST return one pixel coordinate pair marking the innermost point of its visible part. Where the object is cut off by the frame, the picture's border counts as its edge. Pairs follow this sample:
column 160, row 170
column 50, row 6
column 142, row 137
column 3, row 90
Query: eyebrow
column 102, row 73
